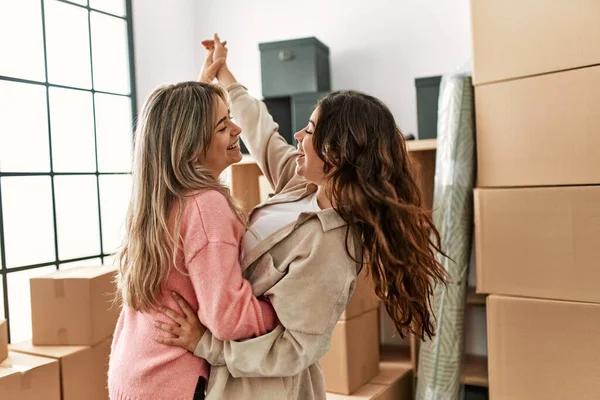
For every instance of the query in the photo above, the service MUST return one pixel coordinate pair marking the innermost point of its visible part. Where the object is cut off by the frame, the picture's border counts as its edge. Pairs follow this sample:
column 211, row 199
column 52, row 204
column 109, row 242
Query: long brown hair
column 174, row 127
column 373, row 188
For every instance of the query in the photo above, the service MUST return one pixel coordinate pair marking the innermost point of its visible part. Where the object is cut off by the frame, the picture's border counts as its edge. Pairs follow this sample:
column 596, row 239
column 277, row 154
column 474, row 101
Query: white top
column 269, row 219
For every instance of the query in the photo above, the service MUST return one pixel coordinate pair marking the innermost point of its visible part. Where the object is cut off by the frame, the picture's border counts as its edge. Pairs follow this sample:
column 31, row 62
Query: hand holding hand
column 215, row 59
column 223, row 73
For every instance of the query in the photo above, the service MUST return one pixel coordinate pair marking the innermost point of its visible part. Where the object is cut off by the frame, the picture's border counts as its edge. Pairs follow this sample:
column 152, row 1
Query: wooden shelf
column 421, row 145
column 412, row 145
column 475, row 371
column 396, row 354
column 246, row 159
column 475, row 299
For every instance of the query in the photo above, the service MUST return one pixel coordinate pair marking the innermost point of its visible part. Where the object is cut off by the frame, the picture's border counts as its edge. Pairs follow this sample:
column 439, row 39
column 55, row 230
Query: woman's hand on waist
column 186, row 329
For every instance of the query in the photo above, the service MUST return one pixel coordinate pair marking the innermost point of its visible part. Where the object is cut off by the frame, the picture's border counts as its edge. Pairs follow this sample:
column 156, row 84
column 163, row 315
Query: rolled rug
column 440, row 359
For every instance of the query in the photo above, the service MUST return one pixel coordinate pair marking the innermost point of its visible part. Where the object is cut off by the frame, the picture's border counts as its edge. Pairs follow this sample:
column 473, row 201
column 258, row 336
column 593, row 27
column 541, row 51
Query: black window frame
column 4, row 270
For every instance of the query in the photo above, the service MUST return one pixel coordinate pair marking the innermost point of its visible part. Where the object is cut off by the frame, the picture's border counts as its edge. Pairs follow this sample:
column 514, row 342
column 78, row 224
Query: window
column 66, row 113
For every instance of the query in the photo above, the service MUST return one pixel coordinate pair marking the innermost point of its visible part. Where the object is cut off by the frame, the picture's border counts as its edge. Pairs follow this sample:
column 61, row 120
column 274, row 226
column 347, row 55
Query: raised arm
column 275, row 157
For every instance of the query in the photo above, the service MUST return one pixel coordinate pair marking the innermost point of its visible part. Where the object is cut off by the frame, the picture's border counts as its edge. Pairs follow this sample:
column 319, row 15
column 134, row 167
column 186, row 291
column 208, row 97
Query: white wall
column 377, row 46
column 164, row 46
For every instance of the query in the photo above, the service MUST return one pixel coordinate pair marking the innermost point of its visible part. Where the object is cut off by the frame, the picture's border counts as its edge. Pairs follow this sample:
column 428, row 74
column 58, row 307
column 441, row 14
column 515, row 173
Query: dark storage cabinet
column 295, row 75
column 294, row 66
column 303, row 105
column 281, row 111
column 428, row 92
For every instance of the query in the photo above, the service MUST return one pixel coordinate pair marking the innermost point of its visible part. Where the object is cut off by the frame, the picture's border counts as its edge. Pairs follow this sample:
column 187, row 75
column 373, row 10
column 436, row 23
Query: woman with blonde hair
column 183, row 231
column 345, row 199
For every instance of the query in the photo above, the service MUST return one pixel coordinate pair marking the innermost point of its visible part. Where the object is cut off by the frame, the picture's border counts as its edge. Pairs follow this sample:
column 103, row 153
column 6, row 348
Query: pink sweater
column 142, row 369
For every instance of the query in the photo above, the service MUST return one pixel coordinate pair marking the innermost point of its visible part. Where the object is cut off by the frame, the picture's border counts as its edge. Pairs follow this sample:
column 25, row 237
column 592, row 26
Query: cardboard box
column 83, row 369
column 26, row 377
column 543, row 349
column 540, row 131
column 516, row 38
column 394, row 382
column 243, row 178
column 3, row 340
column 539, row 242
column 74, row 307
column 363, row 299
column 353, row 358
column 264, row 188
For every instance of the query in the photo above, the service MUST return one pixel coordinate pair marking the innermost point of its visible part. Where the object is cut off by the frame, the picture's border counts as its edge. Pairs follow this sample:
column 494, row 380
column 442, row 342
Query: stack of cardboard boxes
column 73, row 319
column 393, row 382
column 352, row 366
column 537, row 206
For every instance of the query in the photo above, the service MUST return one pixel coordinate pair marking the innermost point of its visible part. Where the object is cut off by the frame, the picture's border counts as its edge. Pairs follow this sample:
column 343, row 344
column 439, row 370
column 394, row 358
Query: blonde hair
column 174, row 127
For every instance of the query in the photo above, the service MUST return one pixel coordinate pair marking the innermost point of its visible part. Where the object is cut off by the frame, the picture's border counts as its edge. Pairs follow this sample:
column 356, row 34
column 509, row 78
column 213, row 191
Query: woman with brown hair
column 344, row 199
